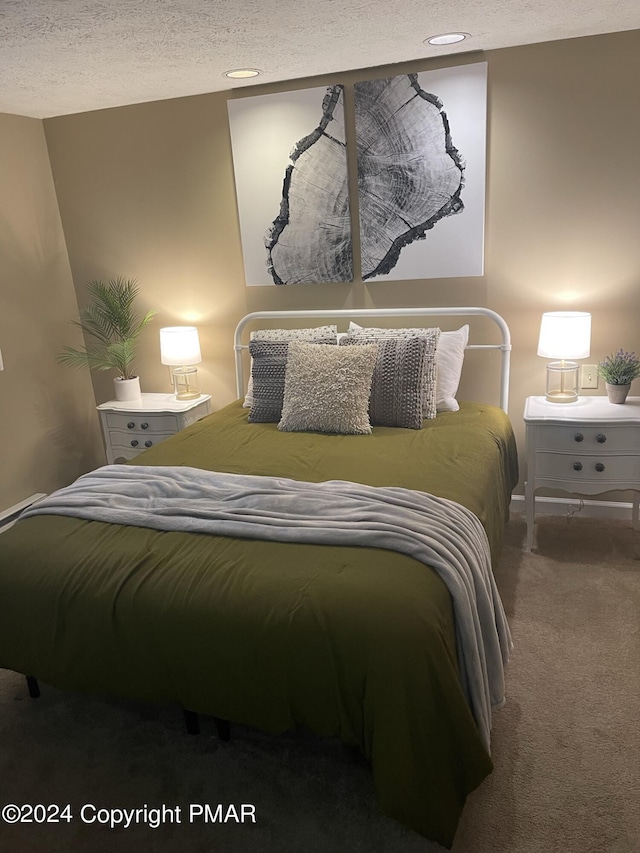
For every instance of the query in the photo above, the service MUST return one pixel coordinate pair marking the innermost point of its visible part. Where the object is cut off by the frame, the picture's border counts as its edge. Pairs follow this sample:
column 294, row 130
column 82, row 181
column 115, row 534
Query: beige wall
column 48, row 430
column 147, row 191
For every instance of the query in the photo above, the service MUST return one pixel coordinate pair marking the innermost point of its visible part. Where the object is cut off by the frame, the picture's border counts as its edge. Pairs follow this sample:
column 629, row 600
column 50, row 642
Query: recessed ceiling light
column 447, row 38
column 242, row 73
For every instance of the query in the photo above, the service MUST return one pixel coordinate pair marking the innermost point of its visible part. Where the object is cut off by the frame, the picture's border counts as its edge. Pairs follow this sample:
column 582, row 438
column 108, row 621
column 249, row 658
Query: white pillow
column 449, row 360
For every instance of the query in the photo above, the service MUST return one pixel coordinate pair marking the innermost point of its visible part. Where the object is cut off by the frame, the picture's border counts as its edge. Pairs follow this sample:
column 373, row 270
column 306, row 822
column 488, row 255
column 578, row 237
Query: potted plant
column 618, row 371
column 111, row 327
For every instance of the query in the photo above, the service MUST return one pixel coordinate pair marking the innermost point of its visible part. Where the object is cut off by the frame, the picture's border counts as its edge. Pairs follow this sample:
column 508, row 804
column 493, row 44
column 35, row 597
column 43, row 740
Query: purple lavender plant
column 620, row 368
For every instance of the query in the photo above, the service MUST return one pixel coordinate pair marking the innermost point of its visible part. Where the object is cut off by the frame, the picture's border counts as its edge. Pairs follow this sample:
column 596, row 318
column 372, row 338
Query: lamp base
column 562, row 381
column 185, row 383
column 562, row 397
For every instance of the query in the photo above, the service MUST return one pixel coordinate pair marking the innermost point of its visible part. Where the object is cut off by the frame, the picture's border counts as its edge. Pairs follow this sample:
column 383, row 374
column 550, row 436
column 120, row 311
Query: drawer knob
column 578, row 437
column 599, row 466
column 134, row 443
column 145, row 425
column 130, row 425
column 600, row 438
column 577, row 466
column 149, row 443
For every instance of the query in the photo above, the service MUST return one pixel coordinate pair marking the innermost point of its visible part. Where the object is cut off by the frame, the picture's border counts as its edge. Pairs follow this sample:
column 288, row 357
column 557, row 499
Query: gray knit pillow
column 397, row 388
column 268, row 369
column 318, row 333
column 327, row 388
column 429, row 377
column 449, row 360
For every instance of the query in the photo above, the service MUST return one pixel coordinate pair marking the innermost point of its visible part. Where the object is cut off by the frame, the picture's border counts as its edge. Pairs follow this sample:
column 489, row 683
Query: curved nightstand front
column 588, row 447
column 131, row 427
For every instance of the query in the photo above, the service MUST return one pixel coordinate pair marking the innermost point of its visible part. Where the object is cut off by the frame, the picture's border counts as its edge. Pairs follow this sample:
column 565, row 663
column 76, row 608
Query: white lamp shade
column 565, row 335
column 180, row 345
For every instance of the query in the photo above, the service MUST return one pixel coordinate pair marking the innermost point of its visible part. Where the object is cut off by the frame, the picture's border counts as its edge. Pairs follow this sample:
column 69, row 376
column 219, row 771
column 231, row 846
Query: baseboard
column 8, row 517
column 573, row 506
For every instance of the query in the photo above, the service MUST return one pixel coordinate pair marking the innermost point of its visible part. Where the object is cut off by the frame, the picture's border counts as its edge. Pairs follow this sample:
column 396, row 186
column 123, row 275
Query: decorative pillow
column 327, row 388
column 268, row 369
column 430, row 376
column 449, row 360
column 397, row 389
column 317, row 333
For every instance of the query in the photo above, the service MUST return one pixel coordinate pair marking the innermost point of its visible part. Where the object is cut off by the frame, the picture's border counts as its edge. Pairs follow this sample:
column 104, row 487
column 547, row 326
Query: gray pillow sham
column 268, row 370
column 317, row 333
column 398, row 386
column 429, row 376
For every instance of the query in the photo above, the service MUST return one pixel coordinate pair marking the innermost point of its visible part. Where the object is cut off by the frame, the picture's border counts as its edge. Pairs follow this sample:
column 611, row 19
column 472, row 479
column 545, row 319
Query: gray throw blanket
column 436, row 531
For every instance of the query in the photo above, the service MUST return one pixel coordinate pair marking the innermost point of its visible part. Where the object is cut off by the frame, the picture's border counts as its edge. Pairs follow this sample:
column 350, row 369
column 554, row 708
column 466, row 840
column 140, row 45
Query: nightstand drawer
column 136, row 441
column 586, row 439
column 580, row 466
column 125, row 453
column 149, row 423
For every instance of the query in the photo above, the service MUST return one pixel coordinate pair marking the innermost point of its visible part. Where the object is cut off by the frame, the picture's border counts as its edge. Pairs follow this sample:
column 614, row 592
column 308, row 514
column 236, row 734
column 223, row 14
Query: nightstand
column 131, row 427
column 586, row 448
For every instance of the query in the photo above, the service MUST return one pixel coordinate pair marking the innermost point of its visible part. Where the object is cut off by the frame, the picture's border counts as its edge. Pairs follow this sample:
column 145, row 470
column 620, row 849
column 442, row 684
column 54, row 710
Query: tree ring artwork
column 290, row 166
column 420, row 144
column 421, row 173
column 421, row 149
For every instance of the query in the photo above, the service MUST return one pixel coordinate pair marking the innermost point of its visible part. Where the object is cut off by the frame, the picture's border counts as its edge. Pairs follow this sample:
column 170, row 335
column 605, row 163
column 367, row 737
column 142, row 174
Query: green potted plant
column 111, row 327
column 618, row 371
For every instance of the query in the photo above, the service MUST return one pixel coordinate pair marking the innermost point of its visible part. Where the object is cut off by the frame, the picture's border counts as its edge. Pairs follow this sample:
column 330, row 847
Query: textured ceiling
column 66, row 56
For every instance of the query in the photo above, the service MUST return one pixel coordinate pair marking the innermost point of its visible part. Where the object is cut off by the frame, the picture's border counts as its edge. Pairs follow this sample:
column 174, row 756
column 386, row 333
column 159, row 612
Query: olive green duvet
column 351, row 642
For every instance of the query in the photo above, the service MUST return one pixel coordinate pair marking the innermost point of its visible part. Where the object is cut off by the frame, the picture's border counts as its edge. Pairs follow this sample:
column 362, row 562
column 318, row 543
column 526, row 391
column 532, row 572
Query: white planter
column 127, row 390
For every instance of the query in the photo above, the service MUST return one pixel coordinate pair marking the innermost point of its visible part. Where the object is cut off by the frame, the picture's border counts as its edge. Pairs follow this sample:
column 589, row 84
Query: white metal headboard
column 381, row 313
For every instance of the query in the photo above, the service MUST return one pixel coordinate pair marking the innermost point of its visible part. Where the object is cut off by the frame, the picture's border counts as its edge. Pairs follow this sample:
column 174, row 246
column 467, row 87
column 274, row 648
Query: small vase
column 617, row 393
column 127, row 390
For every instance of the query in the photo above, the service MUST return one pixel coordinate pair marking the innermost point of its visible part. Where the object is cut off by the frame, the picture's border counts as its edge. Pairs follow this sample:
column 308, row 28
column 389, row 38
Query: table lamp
column 564, row 335
column 180, row 350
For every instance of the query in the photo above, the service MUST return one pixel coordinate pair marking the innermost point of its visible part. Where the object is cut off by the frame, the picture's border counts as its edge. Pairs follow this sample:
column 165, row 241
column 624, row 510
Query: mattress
column 352, row 642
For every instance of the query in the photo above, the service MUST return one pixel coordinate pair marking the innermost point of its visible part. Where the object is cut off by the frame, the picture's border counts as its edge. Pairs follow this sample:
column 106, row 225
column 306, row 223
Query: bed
column 344, row 638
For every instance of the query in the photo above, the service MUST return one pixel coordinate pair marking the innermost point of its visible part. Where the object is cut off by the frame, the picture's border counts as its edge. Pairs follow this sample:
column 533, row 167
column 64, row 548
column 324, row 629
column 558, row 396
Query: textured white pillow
column 285, row 335
column 327, row 389
column 449, row 360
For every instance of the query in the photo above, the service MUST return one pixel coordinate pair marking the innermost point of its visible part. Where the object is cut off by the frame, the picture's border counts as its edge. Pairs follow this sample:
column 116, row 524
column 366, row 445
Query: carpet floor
column 566, row 747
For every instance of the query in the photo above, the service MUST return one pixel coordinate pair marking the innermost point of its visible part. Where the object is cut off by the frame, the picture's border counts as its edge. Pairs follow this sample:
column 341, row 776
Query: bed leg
column 34, row 687
column 191, row 720
column 223, row 728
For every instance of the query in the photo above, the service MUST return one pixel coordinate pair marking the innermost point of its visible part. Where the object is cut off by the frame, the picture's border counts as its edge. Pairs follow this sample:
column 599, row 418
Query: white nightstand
column 129, row 428
column 586, row 448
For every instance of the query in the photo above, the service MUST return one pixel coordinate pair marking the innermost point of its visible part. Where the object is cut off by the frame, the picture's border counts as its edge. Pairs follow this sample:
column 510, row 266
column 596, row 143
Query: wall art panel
column 290, row 165
column 421, row 146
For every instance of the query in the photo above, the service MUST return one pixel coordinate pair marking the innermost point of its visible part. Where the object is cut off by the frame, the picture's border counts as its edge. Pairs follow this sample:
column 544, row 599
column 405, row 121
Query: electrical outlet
column 588, row 376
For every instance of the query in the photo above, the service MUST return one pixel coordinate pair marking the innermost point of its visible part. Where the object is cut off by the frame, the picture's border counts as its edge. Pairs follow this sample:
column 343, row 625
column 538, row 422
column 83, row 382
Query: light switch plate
column 588, row 376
